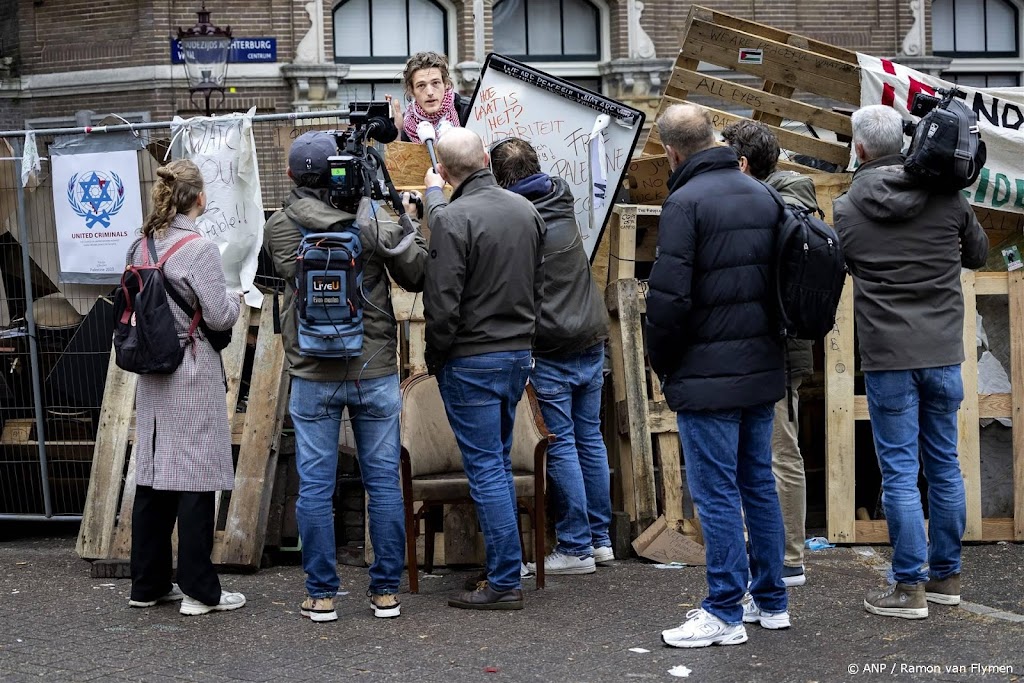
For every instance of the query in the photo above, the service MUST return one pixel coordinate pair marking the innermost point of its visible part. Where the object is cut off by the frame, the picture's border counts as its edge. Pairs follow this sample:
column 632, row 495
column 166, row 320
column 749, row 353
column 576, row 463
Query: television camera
column 358, row 172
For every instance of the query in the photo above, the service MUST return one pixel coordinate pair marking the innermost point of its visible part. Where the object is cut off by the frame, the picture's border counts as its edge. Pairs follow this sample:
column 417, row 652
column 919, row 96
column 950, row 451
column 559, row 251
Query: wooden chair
column 432, row 471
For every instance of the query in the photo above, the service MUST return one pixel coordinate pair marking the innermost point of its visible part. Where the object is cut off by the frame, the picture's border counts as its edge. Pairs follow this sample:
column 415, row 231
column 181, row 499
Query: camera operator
column 905, row 245
column 431, row 97
column 322, row 387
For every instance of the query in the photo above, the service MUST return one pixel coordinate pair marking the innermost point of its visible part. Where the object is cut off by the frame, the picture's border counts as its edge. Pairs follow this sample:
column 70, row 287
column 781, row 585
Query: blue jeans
column 374, row 406
column 480, row 395
column 728, row 458
column 913, row 414
column 569, row 392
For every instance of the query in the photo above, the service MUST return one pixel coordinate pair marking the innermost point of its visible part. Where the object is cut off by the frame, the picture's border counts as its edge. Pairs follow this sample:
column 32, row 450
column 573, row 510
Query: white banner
column 224, row 149
column 98, row 212
column 1000, row 114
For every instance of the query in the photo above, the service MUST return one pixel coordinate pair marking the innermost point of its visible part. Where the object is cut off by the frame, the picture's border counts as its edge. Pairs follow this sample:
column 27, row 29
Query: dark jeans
column 728, row 457
column 480, row 395
column 153, row 518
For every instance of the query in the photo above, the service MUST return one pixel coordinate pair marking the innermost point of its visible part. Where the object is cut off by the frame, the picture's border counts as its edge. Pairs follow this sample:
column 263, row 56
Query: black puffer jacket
column 711, row 331
column 572, row 316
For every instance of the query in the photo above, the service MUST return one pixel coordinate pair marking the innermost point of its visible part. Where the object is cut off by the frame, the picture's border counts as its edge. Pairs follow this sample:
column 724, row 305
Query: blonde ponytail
column 176, row 191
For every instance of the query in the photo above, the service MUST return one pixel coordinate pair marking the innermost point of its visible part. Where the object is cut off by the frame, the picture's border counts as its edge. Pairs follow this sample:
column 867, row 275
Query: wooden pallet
column 790, row 64
column 106, row 523
column 844, row 408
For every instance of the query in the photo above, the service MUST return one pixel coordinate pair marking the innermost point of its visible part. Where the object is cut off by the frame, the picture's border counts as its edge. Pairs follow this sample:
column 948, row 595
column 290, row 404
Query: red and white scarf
column 414, row 114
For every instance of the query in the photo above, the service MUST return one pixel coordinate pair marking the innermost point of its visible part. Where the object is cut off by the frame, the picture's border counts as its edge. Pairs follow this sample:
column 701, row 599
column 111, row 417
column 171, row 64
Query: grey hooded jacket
column 905, row 247
column 281, row 236
column 572, row 316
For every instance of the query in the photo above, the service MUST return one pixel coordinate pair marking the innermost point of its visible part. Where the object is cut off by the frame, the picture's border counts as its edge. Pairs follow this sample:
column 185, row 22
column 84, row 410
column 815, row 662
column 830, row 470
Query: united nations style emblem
column 96, row 196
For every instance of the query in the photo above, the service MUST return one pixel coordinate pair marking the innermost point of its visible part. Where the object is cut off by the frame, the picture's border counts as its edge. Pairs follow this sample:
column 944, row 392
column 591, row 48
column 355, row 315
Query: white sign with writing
column 559, row 118
column 98, row 211
column 1000, row 114
column 224, row 149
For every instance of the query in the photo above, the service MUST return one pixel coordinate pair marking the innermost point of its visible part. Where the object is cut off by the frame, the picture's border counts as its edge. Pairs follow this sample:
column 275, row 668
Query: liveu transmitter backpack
column 329, row 300
column 810, row 272
column 946, row 149
column 145, row 336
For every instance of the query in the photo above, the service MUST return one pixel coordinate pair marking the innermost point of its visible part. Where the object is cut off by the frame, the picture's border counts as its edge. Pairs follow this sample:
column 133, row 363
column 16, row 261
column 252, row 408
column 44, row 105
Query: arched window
column 547, row 29
column 975, row 28
column 388, row 30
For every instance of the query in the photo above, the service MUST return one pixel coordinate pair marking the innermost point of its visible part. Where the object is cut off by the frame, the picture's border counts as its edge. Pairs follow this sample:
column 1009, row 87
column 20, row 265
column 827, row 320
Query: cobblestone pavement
column 58, row 624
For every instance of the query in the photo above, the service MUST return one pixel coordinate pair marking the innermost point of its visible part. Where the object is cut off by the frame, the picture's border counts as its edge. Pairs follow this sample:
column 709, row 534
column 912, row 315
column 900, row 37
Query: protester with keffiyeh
column 431, row 96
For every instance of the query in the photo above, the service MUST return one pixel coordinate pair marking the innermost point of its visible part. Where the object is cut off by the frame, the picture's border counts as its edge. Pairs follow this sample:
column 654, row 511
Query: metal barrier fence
column 55, row 337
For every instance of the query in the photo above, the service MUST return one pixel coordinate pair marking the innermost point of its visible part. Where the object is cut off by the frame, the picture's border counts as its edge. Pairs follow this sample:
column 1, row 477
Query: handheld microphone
column 425, row 132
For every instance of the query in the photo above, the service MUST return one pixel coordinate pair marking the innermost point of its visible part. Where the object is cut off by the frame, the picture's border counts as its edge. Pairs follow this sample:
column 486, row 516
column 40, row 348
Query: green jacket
column 281, row 236
column 796, row 189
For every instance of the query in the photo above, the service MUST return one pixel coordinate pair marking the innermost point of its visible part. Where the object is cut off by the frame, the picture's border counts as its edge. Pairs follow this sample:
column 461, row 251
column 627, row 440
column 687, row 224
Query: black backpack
column 809, row 272
column 946, row 149
column 145, row 336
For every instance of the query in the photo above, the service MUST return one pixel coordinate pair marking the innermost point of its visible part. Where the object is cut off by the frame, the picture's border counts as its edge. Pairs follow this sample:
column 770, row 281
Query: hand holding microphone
column 425, row 132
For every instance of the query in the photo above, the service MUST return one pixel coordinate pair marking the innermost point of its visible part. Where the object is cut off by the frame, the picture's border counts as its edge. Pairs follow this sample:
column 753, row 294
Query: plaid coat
column 182, row 434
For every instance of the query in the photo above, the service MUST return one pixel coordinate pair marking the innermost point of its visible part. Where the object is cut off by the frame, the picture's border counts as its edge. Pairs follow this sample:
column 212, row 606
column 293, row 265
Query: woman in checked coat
column 182, row 438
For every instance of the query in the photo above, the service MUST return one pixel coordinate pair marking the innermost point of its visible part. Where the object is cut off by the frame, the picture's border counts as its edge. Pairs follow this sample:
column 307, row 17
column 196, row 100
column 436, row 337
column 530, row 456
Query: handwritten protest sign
column 224, row 150
column 558, row 118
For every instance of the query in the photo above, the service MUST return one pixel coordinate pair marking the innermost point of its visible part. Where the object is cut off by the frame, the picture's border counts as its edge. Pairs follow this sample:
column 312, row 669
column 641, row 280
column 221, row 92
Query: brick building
column 59, row 57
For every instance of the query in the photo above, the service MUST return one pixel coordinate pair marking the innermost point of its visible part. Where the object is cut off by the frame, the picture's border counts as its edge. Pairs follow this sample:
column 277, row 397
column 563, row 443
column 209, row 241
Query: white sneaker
column 559, row 563
column 174, row 594
column 702, row 629
column 526, row 570
column 752, row 614
column 191, row 607
column 603, row 554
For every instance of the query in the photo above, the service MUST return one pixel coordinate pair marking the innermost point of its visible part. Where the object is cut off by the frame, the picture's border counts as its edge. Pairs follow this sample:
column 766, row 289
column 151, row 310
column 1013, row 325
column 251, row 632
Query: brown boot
column 943, row 591
column 485, row 597
column 898, row 600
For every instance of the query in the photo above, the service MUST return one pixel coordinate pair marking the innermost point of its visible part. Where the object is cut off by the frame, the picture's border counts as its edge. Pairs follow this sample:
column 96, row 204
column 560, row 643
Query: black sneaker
column 793, row 576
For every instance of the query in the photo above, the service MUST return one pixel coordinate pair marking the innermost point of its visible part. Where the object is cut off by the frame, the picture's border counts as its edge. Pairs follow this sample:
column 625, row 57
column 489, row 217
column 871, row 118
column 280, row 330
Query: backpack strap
column 195, row 315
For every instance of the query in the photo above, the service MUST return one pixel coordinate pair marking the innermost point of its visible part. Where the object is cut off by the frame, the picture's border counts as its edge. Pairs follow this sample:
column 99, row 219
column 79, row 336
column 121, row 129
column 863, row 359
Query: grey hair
column 879, row 130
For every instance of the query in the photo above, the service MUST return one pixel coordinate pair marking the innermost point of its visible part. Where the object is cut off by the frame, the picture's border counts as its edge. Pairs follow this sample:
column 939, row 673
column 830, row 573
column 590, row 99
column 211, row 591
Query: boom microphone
column 425, row 132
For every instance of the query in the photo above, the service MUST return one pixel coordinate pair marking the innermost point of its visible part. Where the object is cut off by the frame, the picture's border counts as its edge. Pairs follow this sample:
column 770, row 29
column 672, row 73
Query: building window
column 990, row 80
column 547, row 29
column 975, row 28
column 368, row 31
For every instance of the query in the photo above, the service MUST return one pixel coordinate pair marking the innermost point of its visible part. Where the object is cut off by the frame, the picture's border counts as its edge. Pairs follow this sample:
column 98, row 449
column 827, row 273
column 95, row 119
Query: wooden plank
column 992, row 529
column 840, row 454
column 97, row 529
column 770, row 118
column 991, row 283
column 766, row 31
column 621, row 245
column 1016, row 292
column 772, row 103
column 782, row 63
column 834, row 152
column 670, row 462
column 417, row 348
column 969, row 436
column 630, row 383
column 246, row 527
column 121, row 544
column 994, row 406
column 18, row 431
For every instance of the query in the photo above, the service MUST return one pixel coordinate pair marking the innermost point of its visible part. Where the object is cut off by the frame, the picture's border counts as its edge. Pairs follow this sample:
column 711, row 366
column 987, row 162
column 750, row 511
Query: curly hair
column 757, row 143
column 425, row 60
column 176, row 191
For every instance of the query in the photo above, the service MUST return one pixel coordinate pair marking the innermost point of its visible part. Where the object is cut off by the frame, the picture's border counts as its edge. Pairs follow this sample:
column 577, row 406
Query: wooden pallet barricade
column 844, row 408
column 786, row 63
column 106, row 522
